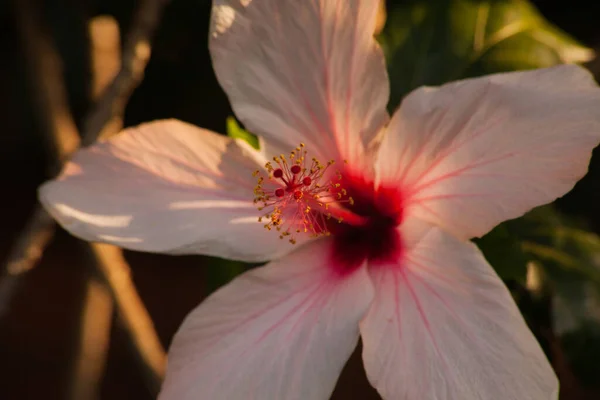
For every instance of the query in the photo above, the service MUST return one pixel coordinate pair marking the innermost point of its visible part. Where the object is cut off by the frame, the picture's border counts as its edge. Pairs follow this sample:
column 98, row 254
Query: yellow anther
column 299, row 192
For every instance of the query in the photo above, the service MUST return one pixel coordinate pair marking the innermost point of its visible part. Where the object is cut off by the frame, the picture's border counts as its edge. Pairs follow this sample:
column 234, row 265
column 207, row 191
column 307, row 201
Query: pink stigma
column 296, row 194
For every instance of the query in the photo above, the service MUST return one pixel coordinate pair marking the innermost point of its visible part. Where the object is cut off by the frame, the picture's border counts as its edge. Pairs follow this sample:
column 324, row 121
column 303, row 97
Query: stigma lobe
column 296, row 193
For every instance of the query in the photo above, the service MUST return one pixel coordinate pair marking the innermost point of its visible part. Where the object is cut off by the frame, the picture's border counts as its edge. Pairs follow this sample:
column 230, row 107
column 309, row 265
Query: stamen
column 295, row 193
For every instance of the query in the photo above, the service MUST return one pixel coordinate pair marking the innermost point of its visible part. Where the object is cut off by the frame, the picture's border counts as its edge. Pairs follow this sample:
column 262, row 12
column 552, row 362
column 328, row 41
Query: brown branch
column 60, row 128
column 131, row 310
column 25, row 254
column 63, row 139
column 61, row 132
column 136, row 54
column 92, row 341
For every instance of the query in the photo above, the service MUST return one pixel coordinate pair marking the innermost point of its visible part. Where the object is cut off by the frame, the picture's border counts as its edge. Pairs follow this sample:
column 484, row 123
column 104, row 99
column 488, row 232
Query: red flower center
column 376, row 239
column 300, row 197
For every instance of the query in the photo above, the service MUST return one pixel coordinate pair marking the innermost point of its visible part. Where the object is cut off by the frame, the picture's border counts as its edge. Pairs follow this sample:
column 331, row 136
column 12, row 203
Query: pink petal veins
column 312, row 72
column 283, row 331
column 165, row 186
column 480, row 151
column 443, row 326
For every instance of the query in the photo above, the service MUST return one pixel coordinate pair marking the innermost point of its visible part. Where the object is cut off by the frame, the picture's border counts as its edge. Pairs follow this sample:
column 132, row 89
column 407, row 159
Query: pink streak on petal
column 443, row 326
column 529, row 134
column 303, row 326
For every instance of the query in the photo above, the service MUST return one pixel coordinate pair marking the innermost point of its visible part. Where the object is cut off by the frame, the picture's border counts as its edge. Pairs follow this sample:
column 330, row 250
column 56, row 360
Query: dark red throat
column 376, row 240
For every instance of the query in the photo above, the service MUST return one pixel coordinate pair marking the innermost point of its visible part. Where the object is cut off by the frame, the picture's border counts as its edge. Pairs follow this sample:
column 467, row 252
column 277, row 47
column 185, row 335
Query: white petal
column 474, row 153
column 303, row 71
column 165, row 186
column 443, row 326
column 283, row 331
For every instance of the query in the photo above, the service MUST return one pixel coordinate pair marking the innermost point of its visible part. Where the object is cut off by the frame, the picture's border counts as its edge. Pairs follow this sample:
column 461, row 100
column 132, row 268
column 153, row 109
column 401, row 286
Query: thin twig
column 25, row 254
column 136, row 54
column 131, row 310
column 63, row 138
column 92, row 341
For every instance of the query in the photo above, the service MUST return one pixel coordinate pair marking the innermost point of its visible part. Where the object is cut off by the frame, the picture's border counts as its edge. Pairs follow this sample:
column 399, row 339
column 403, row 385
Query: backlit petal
column 283, row 331
column 303, row 71
column 165, row 186
column 474, row 153
column 443, row 326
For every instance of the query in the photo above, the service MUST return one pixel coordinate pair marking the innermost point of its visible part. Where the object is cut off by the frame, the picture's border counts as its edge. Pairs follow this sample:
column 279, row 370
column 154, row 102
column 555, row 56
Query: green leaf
column 235, row 131
column 560, row 252
column 433, row 42
column 569, row 256
column 503, row 251
column 221, row 272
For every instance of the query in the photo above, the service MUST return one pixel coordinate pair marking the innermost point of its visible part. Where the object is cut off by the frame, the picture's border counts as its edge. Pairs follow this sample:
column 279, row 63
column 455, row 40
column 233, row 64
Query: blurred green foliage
column 433, row 42
column 222, row 271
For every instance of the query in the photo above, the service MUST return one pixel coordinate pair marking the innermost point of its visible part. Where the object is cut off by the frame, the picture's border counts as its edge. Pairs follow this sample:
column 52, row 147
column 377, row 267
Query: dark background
column 37, row 335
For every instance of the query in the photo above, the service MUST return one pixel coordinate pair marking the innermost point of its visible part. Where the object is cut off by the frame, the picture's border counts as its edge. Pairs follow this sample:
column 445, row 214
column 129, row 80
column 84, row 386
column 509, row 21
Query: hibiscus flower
column 365, row 220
